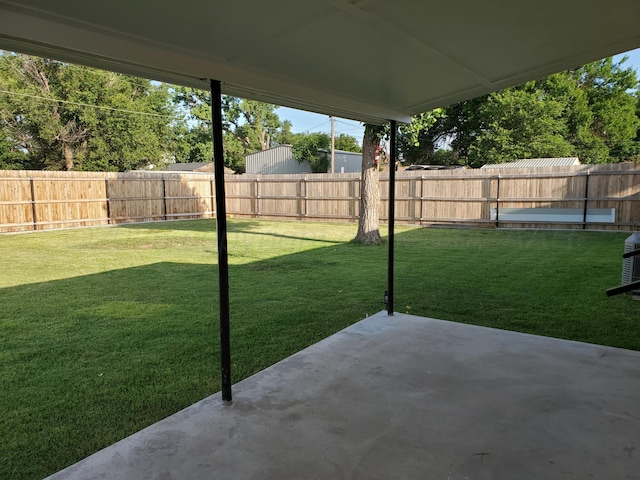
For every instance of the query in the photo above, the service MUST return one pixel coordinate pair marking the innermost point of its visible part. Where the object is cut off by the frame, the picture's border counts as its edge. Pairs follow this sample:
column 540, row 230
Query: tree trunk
column 67, row 151
column 368, row 229
column 265, row 140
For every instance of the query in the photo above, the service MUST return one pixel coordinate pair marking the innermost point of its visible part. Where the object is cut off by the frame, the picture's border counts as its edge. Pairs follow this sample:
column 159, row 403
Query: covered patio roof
column 370, row 60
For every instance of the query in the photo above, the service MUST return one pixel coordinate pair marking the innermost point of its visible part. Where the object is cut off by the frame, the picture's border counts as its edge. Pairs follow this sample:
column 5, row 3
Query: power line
column 113, row 109
column 350, row 123
column 313, row 128
column 354, row 129
column 132, row 79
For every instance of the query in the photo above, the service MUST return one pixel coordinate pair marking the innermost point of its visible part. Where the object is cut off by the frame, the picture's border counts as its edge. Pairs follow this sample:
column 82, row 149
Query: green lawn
column 106, row 330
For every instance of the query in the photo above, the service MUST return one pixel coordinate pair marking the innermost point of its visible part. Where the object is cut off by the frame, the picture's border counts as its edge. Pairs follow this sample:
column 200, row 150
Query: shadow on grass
column 235, row 229
column 203, row 225
column 88, row 360
column 252, row 227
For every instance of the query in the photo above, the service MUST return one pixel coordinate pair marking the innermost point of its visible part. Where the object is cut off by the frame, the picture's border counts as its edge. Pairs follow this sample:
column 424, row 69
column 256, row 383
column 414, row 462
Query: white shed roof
column 369, row 60
column 536, row 162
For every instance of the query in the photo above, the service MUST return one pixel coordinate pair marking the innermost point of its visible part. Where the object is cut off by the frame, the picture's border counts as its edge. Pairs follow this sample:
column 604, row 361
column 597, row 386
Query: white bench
column 554, row 215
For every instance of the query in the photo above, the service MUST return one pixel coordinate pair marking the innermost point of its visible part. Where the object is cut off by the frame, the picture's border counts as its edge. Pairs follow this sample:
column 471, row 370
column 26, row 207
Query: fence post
column 421, row 199
column 306, row 195
column 257, row 208
column 106, row 195
column 301, row 211
column 498, row 202
column 33, row 204
column 411, row 207
column 353, row 200
column 164, row 197
column 586, row 200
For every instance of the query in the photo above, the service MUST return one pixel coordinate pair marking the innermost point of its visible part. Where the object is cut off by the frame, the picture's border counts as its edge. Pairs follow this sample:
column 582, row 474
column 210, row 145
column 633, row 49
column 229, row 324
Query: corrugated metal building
column 347, row 162
column 280, row 160
column 276, row 160
column 536, row 162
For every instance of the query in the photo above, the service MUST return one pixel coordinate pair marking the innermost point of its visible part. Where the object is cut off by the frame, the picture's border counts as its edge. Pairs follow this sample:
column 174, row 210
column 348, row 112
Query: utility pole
column 333, row 145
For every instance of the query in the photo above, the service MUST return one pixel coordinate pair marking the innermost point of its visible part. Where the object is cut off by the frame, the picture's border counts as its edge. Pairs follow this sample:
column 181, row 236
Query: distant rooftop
column 190, row 167
column 196, row 167
column 536, row 163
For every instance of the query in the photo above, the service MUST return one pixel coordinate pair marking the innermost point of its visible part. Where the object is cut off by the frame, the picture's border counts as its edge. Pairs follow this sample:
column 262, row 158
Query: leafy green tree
column 591, row 112
column 315, row 149
column 68, row 117
column 418, row 140
column 610, row 90
column 461, row 125
column 520, row 123
column 195, row 134
column 234, row 152
column 11, row 157
column 347, row 143
column 248, row 126
column 284, row 135
column 254, row 123
column 444, row 156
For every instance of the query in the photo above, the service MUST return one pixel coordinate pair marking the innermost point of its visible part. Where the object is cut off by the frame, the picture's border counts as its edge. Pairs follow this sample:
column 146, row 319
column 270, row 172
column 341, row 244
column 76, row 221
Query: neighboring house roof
column 342, row 152
column 190, row 167
column 536, row 163
column 198, row 167
column 411, row 168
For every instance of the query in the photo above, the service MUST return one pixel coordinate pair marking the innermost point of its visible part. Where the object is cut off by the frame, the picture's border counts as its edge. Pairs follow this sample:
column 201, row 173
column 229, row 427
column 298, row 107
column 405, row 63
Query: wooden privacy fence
column 603, row 197
column 31, row 200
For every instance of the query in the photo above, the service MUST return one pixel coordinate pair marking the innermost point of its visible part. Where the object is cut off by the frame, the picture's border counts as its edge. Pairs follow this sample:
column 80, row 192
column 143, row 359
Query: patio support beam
column 392, row 219
column 221, row 227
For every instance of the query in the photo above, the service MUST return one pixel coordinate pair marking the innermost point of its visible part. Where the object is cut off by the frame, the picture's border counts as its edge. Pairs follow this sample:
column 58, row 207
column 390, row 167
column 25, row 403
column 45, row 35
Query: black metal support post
column 221, row 222
column 392, row 214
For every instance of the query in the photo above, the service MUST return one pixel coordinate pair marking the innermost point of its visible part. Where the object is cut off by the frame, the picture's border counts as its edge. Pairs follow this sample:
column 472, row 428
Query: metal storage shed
column 280, row 160
column 275, row 161
column 347, row 162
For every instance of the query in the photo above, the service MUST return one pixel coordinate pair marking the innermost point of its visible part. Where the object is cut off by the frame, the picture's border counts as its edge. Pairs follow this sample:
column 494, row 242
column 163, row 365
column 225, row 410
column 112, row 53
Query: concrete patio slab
column 404, row 397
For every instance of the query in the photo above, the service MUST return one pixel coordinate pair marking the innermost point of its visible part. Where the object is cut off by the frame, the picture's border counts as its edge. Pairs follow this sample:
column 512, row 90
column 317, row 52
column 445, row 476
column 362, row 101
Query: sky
column 307, row 122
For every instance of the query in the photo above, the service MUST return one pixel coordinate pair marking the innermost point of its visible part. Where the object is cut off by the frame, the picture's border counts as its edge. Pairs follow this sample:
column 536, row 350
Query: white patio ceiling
column 369, row 60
